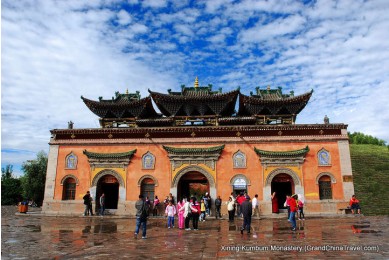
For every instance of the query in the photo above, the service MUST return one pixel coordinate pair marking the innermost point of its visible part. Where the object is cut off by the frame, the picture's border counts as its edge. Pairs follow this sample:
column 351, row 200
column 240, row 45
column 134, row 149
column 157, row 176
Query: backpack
column 144, row 212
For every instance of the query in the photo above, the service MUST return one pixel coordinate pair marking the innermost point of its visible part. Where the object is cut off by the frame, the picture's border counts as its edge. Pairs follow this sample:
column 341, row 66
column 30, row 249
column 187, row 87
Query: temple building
column 200, row 140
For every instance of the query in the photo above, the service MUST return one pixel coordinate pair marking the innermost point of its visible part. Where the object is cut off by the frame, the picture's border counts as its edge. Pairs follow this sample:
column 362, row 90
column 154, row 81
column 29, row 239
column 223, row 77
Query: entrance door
column 239, row 186
column 192, row 184
column 108, row 185
column 283, row 185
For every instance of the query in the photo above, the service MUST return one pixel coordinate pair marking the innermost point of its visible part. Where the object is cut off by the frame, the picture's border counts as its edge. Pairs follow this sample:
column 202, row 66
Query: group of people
column 188, row 210
column 88, row 204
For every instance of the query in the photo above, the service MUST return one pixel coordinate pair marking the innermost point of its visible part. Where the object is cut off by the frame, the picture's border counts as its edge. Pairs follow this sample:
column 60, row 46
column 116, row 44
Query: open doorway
column 192, row 184
column 283, row 185
column 108, row 185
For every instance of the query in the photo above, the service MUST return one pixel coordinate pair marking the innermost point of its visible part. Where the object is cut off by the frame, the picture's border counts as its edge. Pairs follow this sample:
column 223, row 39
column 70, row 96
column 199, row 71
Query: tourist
column 202, row 210
column 141, row 217
column 274, row 203
column 148, row 204
column 166, row 202
column 300, row 203
column 247, row 211
column 195, row 214
column 88, row 204
column 218, row 204
column 239, row 201
column 180, row 213
column 287, row 204
column 354, row 205
column 170, row 212
column 231, row 209
column 207, row 202
column 155, row 206
column 171, row 198
column 102, row 204
column 188, row 209
column 255, row 205
column 293, row 210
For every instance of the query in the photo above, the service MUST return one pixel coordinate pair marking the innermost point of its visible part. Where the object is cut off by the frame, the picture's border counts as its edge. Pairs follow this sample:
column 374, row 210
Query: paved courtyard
column 33, row 236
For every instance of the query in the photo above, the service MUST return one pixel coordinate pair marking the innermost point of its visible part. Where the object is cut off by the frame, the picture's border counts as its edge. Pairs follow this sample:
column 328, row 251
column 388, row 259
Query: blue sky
column 55, row 51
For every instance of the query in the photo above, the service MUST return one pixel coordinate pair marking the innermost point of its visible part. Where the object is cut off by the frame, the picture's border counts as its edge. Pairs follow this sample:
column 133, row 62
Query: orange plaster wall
column 224, row 168
column 161, row 171
column 82, row 172
column 311, row 170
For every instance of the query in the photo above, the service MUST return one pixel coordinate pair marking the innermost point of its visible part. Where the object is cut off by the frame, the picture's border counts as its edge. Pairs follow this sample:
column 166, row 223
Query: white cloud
column 124, row 17
column 154, row 3
column 55, row 51
column 279, row 27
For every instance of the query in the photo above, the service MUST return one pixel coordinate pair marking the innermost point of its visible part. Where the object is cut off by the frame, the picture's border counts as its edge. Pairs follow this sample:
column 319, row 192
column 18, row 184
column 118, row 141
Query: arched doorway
column 109, row 185
column 147, row 188
column 283, row 185
column 192, row 184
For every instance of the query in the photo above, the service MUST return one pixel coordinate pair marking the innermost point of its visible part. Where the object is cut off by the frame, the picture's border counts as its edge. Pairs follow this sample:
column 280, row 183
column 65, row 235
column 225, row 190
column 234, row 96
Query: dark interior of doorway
column 238, row 191
column 111, row 191
column 282, row 189
column 192, row 183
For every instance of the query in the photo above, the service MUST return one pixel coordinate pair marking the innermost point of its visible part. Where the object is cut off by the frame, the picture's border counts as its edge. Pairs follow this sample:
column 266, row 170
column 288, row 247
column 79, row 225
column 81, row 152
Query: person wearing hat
column 247, row 211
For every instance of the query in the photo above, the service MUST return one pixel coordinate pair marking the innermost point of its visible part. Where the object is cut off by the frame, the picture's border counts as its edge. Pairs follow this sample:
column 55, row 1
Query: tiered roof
column 123, row 108
column 199, row 106
column 196, row 101
column 273, row 104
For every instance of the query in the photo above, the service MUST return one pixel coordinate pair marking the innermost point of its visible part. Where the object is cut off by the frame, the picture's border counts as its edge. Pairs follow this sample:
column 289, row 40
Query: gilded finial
column 127, row 91
column 196, row 84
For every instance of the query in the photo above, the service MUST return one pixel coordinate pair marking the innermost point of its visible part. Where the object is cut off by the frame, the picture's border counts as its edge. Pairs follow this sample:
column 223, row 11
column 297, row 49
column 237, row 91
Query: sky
column 54, row 52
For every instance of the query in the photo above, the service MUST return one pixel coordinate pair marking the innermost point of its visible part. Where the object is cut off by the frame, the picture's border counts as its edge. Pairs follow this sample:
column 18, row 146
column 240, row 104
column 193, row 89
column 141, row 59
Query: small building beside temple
column 201, row 141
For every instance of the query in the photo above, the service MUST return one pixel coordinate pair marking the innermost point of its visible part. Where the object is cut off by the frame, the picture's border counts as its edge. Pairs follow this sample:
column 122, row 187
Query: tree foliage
column 360, row 138
column 33, row 181
column 11, row 188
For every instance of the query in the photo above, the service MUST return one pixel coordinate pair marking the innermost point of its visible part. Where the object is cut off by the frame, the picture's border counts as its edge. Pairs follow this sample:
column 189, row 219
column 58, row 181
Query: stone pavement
column 33, row 236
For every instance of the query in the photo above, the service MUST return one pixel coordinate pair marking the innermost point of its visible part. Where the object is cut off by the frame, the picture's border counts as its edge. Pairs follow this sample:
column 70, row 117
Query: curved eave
column 294, row 153
column 304, row 98
column 179, row 98
column 124, row 155
column 101, row 108
column 175, row 150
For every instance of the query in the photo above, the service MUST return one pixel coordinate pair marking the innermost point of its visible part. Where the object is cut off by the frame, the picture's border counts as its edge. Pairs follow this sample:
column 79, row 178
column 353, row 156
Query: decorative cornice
column 294, row 153
column 207, row 156
column 285, row 158
column 190, row 129
column 187, row 151
column 112, row 156
column 109, row 160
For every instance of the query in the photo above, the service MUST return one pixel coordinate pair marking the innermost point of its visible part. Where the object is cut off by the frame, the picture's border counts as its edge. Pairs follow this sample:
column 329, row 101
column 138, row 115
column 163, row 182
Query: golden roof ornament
column 127, row 91
column 196, row 84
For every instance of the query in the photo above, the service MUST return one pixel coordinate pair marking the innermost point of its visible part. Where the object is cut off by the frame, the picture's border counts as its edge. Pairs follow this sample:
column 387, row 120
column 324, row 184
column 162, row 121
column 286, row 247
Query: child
column 170, row 212
column 202, row 209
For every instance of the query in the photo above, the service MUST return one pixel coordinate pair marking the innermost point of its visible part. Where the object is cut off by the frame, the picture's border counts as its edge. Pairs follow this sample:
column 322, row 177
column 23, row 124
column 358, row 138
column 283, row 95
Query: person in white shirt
column 255, row 205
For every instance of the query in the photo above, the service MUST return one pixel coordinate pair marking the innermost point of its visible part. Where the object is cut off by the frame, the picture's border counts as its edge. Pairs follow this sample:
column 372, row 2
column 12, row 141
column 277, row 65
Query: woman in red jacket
column 293, row 210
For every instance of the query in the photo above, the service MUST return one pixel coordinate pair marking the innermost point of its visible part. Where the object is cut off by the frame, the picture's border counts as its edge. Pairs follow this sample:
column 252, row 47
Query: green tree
column 360, row 138
column 11, row 188
column 33, row 181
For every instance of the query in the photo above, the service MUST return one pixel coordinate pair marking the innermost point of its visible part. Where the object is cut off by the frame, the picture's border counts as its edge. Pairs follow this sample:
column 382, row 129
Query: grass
column 370, row 165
